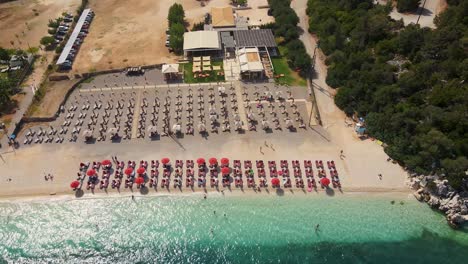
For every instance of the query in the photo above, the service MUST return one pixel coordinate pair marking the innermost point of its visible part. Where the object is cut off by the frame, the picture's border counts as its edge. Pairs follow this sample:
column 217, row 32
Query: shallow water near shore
column 228, row 229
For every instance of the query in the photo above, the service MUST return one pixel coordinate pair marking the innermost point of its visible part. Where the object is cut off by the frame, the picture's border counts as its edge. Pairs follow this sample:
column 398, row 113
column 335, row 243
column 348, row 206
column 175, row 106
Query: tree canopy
column 408, row 5
column 408, row 82
column 285, row 28
column 176, row 41
column 176, row 15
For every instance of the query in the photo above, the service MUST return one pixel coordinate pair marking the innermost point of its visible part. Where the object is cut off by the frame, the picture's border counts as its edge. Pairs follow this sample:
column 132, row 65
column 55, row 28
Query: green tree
column 5, row 92
column 407, row 5
column 176, row 41
column 176, row 15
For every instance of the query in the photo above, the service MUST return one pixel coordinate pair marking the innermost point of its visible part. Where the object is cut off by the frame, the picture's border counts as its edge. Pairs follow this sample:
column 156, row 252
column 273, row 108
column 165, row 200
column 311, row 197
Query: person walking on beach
column 380, row 176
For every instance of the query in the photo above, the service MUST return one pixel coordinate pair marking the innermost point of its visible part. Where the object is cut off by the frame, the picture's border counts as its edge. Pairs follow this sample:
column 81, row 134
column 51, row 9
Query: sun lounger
column 250, row 183
column 319, row 164
column 284, row 164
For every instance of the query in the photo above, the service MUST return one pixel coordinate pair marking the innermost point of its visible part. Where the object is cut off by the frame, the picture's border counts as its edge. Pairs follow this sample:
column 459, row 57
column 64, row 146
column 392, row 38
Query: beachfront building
column 222, row 17
column 225, row 19
column 251, row 67
column 254, row 49
column 198, row 43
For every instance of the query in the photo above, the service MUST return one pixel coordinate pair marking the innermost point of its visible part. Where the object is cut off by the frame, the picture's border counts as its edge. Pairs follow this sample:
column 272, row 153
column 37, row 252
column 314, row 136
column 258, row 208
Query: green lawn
column 281, row 67
column 189, row 78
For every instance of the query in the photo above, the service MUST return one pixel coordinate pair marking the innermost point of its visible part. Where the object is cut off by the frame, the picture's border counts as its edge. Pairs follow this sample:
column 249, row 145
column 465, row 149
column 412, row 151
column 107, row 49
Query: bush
column 408, row 5
column 4, row 55
column 47, row 41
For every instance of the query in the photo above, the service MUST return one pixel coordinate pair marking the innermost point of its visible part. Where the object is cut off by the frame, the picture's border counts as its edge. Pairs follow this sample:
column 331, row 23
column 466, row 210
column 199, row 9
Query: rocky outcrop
column 441, row 196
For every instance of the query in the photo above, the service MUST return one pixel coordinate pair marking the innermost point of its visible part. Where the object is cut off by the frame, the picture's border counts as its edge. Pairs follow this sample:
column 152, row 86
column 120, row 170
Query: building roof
column 201, row 40
column 71, row 41
column 255, row 38
column 249, row 60
column 170, row 68
column 222, row 17
column 227, row 40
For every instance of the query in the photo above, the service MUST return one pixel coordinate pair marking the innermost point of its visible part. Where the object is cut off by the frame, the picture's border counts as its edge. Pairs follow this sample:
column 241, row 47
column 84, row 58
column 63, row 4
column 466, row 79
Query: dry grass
column 19, row 18
column 119, row 38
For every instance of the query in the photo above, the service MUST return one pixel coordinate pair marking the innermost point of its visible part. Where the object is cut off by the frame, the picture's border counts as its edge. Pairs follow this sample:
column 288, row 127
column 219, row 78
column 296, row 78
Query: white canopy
column 201, row 40
column 170, row 68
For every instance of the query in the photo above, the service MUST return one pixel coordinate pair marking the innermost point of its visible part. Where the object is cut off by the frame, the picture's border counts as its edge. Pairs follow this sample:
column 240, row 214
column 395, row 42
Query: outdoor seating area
column 114, row 115
column 202, row 68
column 206, row 173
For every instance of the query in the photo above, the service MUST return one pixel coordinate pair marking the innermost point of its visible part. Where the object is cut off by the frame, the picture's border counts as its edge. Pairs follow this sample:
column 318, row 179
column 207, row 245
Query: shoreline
column 68, row 195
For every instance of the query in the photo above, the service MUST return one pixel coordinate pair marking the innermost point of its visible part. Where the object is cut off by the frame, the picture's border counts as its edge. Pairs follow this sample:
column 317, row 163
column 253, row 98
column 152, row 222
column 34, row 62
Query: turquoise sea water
column 239, row 229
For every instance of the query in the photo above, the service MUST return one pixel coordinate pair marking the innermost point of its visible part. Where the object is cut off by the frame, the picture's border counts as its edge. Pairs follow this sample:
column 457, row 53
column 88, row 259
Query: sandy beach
column 359, row 172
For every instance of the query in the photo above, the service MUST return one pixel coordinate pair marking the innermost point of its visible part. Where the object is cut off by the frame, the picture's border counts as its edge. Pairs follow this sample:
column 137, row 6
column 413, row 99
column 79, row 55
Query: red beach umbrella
column 106, row 162
column 224, row 161
column 200, row 161
column 225, row 170
column 275, row 181
column 91, row 172
column 139, row 180
column 128, row 171
column 213, row 161
column 165, row 160
column 74, row 184
column 280, row 173
column 141, row 170
column 325, row 181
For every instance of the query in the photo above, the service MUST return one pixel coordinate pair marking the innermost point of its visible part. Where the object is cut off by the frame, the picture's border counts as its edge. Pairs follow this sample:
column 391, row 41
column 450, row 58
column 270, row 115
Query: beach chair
column 238, row 182
column 226, row 182
column 154, row 174
column 201, row 182
column 250, row 182
column 189, row 163
column 261, row 172
column 271, row 164
column 284, row 164
column 319, row 164
column 260, row 164
column 263, row 182
column 247, row 164
column 297, row 172
column 237, row 164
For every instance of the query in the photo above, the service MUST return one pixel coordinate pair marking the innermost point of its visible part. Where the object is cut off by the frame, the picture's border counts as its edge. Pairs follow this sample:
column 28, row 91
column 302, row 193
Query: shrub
column 47, row 41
